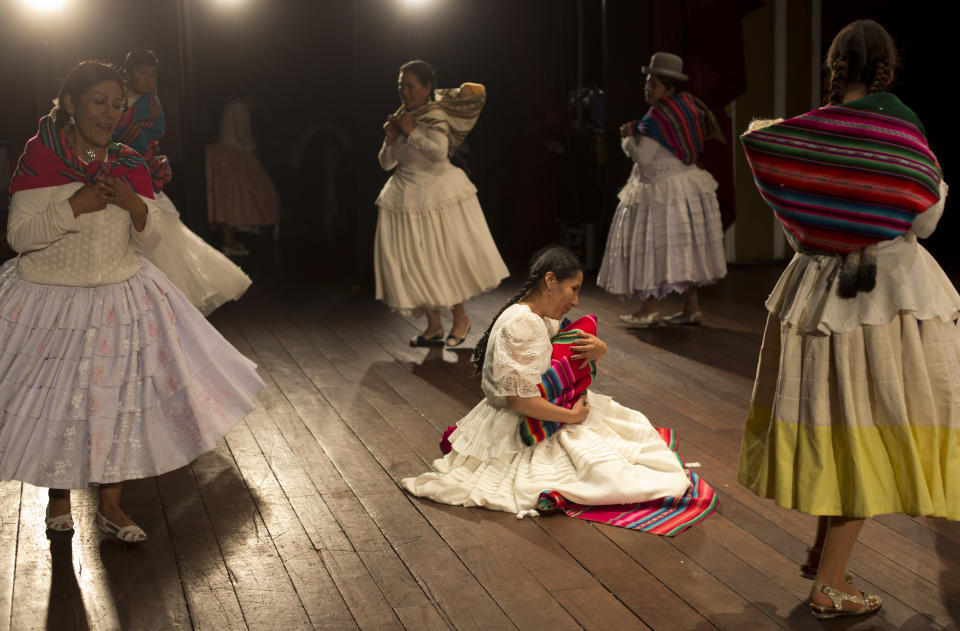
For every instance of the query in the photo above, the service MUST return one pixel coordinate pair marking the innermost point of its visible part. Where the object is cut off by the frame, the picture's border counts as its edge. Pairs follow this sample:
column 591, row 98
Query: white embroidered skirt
column 111, row 383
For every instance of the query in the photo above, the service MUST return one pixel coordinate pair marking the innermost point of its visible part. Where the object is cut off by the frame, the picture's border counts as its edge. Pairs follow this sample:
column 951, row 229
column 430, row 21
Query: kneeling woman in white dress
column 207, row 277
column 666, row 235
column 603, row 453
column 433, row 248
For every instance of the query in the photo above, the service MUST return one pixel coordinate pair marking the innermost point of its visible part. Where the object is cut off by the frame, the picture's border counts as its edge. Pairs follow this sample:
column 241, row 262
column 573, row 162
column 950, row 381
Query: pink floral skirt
column 111, row 383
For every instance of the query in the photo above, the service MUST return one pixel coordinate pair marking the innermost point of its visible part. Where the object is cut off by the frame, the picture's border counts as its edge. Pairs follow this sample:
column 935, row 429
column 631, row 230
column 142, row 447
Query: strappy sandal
column 868, row 603
column 809, row 571
column 433, row 340
column 59, row 523
column 127, row 534
column 455, row 340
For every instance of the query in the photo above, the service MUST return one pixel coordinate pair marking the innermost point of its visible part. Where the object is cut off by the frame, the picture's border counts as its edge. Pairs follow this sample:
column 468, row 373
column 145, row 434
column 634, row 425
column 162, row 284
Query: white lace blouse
column 518, row 353
column 57, row 248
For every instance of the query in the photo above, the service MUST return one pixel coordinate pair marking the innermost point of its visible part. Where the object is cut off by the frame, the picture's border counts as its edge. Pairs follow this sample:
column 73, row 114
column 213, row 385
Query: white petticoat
column 206, row 276
column 433, row 247
column 110, row 383
column 666, row 236
column 614, row 457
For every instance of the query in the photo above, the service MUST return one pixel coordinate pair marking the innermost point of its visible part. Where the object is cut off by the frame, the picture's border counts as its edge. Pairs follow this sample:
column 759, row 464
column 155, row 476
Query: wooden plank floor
column 296, row 520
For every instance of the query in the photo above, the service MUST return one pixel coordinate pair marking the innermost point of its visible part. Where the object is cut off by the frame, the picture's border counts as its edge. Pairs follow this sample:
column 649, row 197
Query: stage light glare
column 416, row 3
column 45, row 5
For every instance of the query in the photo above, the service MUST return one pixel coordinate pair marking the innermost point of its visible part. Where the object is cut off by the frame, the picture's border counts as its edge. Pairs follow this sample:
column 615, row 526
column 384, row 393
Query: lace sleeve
column 521, row 355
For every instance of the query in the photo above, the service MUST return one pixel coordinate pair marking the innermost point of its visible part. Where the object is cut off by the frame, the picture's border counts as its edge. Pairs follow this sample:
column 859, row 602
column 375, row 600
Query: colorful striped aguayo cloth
column 141, row 127
column 49, row 160
column 678, row 123
column 565, row 381
column 845, row 176
column 668, row 516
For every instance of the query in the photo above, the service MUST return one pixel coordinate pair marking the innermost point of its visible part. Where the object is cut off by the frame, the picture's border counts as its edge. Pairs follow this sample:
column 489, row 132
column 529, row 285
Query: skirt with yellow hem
column 859, row 423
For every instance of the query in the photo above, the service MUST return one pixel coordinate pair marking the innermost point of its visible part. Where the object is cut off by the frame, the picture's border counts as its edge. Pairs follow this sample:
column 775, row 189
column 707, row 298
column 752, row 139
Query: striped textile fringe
column 667, row 517
column 845, row 176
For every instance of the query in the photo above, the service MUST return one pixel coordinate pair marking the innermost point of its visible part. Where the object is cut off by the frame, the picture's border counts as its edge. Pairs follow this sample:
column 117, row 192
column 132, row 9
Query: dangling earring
column 72, row 120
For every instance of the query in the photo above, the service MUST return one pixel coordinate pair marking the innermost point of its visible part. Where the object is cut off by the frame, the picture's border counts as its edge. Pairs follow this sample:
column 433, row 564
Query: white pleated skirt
column 436, row 251
column 666, row 237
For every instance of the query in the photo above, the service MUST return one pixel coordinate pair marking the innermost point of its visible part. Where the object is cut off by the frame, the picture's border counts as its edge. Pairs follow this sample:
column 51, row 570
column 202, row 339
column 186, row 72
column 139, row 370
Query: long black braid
column 554, row 258
column 862, row 52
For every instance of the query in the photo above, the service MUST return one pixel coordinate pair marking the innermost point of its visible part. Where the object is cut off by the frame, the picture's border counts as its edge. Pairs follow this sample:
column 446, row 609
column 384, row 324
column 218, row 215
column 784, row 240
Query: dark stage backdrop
column 330, row 68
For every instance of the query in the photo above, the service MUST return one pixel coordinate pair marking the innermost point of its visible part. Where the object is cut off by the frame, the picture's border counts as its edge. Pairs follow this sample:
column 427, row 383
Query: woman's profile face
column 143, row 79
column 412, row 92
column 654, row 89
column 97, row 112
column 566, row 295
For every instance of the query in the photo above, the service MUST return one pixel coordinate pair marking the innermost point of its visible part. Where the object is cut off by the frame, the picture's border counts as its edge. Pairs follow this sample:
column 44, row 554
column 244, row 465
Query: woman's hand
column 122, row 194
column 391, row 129
column 88, row 199
column 626, row 130
column 580, row 410
column 590, row 348
column 406, row 123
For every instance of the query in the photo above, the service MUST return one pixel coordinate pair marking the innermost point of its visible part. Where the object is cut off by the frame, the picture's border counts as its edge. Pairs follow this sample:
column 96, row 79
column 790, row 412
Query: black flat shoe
column 433, row 340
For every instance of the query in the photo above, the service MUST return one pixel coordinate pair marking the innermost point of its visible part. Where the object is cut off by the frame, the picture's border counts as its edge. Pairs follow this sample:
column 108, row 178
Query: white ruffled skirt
column 433, row 247
column 666, row 237
column 111, row 383
column 614, row 457
column 206, row 276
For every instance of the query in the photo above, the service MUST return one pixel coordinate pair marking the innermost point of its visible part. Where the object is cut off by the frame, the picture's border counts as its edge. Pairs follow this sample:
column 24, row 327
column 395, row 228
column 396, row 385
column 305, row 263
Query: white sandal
column 648, row 321
column 59, row 523
column 127, row 534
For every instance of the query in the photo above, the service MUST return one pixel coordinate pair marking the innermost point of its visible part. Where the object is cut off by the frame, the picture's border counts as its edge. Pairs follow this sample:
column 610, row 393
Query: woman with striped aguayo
column 856, row 404
column 666, row 235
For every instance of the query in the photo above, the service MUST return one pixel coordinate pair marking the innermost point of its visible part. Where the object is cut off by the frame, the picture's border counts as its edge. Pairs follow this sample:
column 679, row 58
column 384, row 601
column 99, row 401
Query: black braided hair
column 862, row 52
column 554, row 258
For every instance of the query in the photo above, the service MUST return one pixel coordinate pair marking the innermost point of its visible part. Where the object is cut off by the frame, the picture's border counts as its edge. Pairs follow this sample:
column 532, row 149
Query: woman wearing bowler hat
column 666, row 235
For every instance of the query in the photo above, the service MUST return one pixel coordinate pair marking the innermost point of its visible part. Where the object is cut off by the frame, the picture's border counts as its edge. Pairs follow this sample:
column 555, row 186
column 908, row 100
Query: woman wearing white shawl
column 433, row 248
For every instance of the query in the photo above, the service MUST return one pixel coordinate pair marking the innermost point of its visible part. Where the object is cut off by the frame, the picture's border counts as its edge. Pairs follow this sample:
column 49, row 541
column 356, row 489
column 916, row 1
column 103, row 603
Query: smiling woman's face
column 412, row 92
column 97, row 112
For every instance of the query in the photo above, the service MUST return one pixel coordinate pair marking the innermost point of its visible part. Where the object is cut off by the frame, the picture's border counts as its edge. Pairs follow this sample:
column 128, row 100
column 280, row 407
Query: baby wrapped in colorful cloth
column 566, row 380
